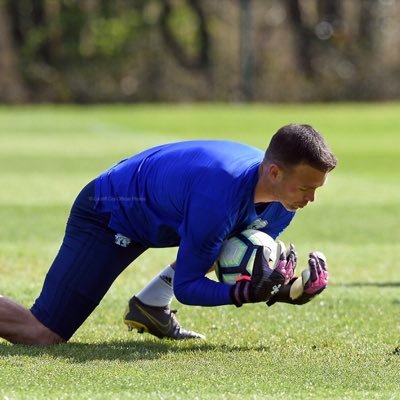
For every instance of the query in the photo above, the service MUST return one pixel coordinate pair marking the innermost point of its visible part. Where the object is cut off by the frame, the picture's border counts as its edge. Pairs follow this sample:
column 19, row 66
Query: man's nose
column 310, row 196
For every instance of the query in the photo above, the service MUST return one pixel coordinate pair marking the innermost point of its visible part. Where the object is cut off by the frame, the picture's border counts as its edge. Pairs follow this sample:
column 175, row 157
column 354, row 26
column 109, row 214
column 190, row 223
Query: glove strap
column 241, row 291
column 283, row 296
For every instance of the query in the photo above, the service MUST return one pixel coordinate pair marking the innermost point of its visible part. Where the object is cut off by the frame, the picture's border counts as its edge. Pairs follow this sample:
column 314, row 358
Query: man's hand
column 266, row 279
column 287, row 262
column 302, row 289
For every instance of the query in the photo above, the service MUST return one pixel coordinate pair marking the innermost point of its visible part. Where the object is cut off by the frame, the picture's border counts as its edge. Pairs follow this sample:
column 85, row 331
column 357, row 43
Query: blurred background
column 95, row 51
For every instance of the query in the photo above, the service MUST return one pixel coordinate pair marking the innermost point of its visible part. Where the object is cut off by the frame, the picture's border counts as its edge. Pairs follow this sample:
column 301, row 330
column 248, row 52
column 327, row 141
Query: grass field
column 344, row 345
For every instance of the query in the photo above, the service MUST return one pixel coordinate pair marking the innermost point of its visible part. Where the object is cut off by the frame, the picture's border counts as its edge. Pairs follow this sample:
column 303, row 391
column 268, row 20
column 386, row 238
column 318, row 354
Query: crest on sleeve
column 122, row 240
column 258, row 224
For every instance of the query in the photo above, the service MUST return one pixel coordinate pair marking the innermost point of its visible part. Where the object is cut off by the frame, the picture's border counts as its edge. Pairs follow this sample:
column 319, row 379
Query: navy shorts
column 90, row 258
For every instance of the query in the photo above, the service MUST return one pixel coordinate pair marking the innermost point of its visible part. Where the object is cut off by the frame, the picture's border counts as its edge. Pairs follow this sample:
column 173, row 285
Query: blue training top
column 194, row 195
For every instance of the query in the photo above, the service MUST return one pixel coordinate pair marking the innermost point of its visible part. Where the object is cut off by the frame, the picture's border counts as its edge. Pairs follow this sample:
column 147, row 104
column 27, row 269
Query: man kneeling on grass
column 193, row 195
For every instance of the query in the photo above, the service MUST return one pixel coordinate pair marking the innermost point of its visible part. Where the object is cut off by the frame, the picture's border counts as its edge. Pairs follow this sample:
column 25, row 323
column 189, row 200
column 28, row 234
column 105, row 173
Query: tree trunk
column 368, row 31
column 246, row 51
column 330, row 10
column 12, row 89
column 303, row 36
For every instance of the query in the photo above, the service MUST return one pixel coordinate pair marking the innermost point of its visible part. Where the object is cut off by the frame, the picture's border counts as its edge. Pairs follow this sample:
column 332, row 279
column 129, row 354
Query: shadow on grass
column 368, row 284
column 120, row 350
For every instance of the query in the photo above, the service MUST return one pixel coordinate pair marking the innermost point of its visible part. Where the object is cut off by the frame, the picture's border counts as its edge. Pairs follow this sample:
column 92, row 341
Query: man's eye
column 303, row 189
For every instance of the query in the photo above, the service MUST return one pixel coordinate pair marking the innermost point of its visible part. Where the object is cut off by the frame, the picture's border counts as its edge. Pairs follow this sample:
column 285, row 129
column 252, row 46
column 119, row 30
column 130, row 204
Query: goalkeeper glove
column 312, row 282
column 265, row 280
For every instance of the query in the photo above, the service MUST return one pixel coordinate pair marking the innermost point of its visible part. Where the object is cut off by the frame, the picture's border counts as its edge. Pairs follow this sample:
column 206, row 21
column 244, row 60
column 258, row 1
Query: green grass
column 343, row 345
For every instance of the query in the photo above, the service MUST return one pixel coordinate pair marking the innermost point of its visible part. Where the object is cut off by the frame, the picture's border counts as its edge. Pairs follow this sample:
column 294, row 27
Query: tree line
column 198, row 50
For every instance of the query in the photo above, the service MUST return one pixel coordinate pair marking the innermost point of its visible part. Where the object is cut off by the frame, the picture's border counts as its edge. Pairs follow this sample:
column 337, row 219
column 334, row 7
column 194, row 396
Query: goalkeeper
column 189, row 194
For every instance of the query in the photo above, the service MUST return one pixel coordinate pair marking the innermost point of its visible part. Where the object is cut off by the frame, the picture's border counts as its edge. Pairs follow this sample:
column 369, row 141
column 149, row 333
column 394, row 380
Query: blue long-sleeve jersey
column 193, row 195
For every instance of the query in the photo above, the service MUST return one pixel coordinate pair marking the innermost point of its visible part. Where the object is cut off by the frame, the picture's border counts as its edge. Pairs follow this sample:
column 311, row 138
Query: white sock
column 159, row 291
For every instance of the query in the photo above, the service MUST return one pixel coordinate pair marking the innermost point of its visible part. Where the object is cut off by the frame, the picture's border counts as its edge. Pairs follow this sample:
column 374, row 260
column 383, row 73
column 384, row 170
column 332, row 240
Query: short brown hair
column 300, row 144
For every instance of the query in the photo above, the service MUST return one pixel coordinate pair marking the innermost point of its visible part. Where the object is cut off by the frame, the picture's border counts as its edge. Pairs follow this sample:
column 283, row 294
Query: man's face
column 295, row 187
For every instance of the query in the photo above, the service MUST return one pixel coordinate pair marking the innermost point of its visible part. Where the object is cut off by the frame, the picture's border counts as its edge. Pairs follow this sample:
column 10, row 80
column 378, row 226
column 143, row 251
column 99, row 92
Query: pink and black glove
column 301, row 290
column 266, row 279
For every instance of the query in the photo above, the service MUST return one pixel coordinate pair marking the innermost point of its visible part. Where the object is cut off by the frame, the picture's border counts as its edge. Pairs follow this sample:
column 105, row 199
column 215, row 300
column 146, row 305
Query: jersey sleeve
column 206, row 225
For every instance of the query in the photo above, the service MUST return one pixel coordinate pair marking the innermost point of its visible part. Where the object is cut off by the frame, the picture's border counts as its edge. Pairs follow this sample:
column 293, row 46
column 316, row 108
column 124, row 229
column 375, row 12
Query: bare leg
column 19, row 326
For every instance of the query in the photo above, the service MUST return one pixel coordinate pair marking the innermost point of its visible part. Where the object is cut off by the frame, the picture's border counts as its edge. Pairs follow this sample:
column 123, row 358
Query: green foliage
column 180, row 50
column 183, row 23
column 111, row 37
column 344, row 345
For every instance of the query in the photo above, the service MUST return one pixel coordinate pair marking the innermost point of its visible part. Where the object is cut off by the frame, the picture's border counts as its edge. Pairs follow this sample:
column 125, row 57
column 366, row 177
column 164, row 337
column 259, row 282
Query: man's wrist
column 241, row 291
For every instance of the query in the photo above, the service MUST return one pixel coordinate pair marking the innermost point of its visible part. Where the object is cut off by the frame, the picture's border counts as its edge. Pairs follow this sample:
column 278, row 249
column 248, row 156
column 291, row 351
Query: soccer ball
column 239, row 252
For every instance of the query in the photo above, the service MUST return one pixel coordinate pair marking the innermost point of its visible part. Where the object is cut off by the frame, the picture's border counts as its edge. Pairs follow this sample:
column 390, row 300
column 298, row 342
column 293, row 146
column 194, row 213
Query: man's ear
column 274, row 172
